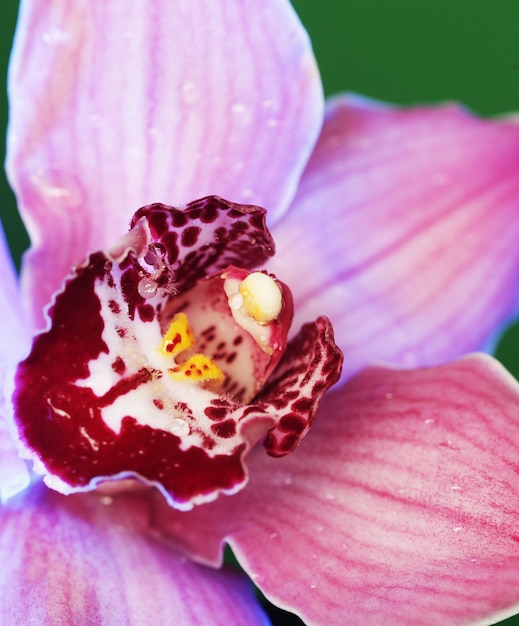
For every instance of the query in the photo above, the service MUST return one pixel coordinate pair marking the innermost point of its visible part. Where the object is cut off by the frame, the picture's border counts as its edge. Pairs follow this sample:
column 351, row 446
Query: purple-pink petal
column 116, row 105
column 14, row 343
column 87, row 560
column 404, row 232
column 400, row 507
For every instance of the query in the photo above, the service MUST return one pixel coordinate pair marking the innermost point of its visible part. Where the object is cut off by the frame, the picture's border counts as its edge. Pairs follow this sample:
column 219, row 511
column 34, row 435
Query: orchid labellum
column 161, row 367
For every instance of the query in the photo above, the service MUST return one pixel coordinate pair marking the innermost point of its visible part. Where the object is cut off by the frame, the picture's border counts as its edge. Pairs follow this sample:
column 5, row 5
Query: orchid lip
column 152, row 369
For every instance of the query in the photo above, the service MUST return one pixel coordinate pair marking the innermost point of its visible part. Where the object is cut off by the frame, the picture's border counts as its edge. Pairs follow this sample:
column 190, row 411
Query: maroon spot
column 216, row 412
column 158, row 403
column 240, row 227
column 225, row 430
column 121, row 332
column 288, row 443
column 158, row 221
column 303, row 404
column 237, row 340
column 209, row 330
column 178, row 218
column 190, row 236
column 319, row 387
column 146, row 312
column 114, row 307
column 209, row 214
column 231, row 357
column 292, row 423
column 170, row 243
column 221, row 345
column 118, row 365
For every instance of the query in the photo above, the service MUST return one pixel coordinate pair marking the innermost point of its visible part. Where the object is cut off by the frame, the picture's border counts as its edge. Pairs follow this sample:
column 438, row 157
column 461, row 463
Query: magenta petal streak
column 400, row 507
column 78, row 560
column 405, row 225
column 123, row 120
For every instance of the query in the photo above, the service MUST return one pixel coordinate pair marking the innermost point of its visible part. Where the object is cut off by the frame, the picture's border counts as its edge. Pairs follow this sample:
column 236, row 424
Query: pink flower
column 400, row 506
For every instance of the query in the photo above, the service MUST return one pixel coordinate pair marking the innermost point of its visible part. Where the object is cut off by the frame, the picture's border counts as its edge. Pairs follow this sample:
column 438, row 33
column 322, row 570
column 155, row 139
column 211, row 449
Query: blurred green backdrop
column 401, row 51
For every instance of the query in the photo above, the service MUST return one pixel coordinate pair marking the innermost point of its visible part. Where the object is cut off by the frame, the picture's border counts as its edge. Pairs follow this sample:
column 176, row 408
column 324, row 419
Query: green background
column 401, row 51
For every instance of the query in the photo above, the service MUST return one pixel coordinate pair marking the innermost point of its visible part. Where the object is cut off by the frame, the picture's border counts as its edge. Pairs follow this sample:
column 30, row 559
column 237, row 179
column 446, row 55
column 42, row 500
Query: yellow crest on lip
column 179, row 336
column 197, row 368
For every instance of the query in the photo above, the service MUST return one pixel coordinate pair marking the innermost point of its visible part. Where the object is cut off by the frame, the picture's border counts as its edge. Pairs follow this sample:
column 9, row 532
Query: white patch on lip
column 156, row 403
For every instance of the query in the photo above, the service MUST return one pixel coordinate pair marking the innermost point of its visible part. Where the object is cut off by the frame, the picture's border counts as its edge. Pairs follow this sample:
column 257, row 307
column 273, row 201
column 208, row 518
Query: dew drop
column 189, row 93
column 57, row 188
column 147, row 287
column 55, row 36
column 242, row 114
column 457, row 529
column 179, row 427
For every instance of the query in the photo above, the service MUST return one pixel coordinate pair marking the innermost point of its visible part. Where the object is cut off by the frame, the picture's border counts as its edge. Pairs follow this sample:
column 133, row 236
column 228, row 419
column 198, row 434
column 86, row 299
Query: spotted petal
column 405, row 229
column 116, row 105
column 76, row 560
column 401, row 506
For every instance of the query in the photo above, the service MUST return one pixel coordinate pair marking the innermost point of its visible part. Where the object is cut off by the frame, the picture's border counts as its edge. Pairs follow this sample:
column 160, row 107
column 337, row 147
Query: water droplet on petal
column 457, row 529
column 147, row 287
column 189, row 93
column 55, row 36
column 241, row 114
column 179, row 427
column 57, row 188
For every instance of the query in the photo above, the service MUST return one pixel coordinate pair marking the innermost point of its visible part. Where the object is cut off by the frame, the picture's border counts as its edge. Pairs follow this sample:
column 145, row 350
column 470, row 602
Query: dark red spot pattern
column 60, row 419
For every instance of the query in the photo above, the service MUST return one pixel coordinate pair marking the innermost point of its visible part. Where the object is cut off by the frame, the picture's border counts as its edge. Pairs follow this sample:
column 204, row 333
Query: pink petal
column 76, row 560
column 404, row 232
column 14, row 476
column 115, row 105
column 401, row 506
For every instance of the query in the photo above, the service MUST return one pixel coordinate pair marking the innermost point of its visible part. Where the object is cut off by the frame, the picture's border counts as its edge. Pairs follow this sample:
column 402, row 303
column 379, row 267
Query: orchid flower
column 400, row 504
